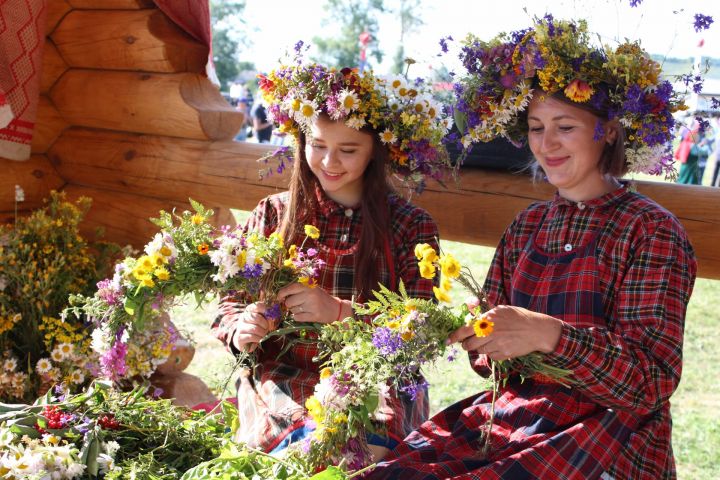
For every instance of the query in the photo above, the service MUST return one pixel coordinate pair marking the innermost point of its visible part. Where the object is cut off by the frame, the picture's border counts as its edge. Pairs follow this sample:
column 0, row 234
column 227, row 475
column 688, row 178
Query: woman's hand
column 516, row 332
column 251, row 327
column 312, row 304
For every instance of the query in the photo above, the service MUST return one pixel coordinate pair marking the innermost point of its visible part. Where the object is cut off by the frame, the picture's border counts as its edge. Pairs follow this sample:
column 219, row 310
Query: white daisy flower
column 397, row 82
column 388, row 137
column 291, row 104
column 308, row 112
column 10, row 364
column 77, row 377
column 355, row 122
column 348, row 101
column 66, row 349
column 57, row 355
column 43, row 365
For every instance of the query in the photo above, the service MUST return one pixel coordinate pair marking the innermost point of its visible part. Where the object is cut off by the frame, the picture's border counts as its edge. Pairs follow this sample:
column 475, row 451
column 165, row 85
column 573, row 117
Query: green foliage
column 228, row 40
column 354, row 17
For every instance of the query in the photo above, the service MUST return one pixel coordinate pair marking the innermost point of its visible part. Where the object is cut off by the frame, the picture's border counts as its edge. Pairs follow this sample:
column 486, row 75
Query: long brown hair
column 373, row 206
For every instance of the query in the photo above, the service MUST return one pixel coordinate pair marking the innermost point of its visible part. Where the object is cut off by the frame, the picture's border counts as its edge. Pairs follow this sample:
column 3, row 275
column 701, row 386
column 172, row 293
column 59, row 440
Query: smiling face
column 561, row 138
column 338, row 156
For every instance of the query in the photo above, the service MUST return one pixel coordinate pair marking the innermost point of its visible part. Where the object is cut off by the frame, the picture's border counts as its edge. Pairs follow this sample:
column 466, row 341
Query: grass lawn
column 696, row 432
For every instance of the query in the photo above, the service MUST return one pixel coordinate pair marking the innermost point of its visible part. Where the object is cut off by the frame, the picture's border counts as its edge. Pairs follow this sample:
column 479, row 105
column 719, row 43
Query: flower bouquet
column 43, row 259
column 187, row 256
column 364, row 360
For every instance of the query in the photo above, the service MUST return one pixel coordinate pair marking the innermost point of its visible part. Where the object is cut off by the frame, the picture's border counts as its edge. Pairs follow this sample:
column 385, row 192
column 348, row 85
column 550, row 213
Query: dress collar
column 328, row 206
column 604, row 200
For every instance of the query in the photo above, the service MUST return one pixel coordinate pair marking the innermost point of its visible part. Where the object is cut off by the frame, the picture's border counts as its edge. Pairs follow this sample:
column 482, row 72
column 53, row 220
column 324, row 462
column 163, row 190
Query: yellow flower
column 407, row 335
column 441, row 295
column 203, row 248
column 449, row 266
column 578, row 91
column 312, row 232
column 197, row 219
column 483, row 327
column 420, row 249
column 147, row 281
column 162, row 274
column 393, row 325
column 315, row 409
column 325, row 373
column 427, row 269
column 165, row 250
column 307, row 281
column 445, row 283
column 242, row 258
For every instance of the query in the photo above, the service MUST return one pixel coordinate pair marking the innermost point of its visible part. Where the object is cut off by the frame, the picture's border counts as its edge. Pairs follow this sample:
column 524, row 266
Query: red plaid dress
column 272, row 397
column 619, row 271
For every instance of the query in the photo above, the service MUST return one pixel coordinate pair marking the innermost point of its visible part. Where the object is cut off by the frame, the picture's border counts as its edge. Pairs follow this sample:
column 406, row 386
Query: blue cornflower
column 702, row 22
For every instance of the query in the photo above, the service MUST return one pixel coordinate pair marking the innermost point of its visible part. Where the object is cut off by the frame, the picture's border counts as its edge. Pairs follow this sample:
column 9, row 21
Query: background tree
column 353, row 17
column 408, row 11
column 230, row 36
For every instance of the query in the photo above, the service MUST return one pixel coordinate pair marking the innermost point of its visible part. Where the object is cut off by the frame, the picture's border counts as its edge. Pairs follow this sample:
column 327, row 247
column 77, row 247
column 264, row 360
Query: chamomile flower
column 57, row 355
column 348, row 101
column 77, row 377
column 388, row 137
column 308, row 112
column 355, row 122
column 43, row 365
column 10, row 364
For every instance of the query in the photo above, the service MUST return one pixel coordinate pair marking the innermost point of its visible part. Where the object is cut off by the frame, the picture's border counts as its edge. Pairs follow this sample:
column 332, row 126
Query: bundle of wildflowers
column 109, row 434
column 558, row 56
column 43, row 259
column 187, row 256
column 403, row 112
column 365, row 361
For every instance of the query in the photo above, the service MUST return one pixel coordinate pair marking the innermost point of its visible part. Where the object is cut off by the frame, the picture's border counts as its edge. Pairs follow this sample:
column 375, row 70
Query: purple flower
column 715, row 102
column 635, row 3
column 273, row 313
column 112, row 362
column 414, row 388
column 702, row 22
column 387, row 341
column 444, row 45
column 109, row 293
column 599, row 131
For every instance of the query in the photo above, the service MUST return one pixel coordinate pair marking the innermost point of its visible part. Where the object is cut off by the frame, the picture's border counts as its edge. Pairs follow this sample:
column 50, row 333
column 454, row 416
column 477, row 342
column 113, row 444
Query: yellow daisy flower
column 312, row 232
column 483, row 327
column 441, row 295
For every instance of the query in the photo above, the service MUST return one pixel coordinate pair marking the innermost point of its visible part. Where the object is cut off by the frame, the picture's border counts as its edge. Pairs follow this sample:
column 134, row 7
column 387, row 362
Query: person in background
column 349, row 140
column 262, row 127
column 597, row 280
column 243, row 106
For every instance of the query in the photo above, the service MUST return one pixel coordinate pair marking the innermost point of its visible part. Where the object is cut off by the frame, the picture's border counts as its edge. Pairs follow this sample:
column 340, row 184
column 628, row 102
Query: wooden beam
column 112, row 4
column 36, row 177
column 48, row 127
column 56, row 10
column 53, row 66
column 219, row 173
column 124, row 217
column 139, row 40
column 225, row 174
column 185, row 105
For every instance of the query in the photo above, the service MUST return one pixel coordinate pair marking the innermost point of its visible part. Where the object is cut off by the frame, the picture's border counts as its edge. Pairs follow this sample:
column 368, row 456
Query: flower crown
column 403, row 113
column 556, row 56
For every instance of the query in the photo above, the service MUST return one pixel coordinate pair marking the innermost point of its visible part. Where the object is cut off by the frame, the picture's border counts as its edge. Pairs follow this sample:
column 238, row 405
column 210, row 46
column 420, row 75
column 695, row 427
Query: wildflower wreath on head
column 402, row 112
column 557, row 56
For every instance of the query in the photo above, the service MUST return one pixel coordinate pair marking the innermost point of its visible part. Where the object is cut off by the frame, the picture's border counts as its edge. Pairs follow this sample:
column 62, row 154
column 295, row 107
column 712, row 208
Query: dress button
column 567, row 247
column 348, row 212
column 344, row 238
column 581, row 206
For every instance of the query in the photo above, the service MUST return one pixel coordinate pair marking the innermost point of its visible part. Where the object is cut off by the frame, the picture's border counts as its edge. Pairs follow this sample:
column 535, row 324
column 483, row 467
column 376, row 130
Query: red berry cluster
column 108, row 422
column 56, row 418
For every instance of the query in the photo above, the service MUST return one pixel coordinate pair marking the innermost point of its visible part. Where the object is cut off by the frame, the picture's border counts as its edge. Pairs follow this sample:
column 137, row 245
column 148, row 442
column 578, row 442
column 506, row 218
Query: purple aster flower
column 452, row 356
column 715, row 102
column 635, row 3
column 387, row 341
column 599, row 131
column 702, row 22
column 444, row 45
column 414, row 388
column 273, row 313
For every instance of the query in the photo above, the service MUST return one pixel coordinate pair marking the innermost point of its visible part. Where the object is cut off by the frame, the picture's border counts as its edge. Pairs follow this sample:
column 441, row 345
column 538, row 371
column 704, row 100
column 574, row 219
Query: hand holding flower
column 311, row 304
column 251, row 327
column 514, row 332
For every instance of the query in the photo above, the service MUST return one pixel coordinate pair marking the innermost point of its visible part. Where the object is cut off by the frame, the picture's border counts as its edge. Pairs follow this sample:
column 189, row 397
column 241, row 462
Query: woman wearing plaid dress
column 596, row 279
column 347, row 140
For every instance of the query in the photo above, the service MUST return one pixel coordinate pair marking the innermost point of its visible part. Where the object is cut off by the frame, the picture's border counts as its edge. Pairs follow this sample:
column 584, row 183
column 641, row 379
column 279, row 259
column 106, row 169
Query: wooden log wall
column 123, row 67
column 128, row 119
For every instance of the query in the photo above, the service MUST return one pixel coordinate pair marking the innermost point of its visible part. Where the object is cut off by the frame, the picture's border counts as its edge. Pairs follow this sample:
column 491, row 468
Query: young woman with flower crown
column 350, row 130
column 597, row 279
